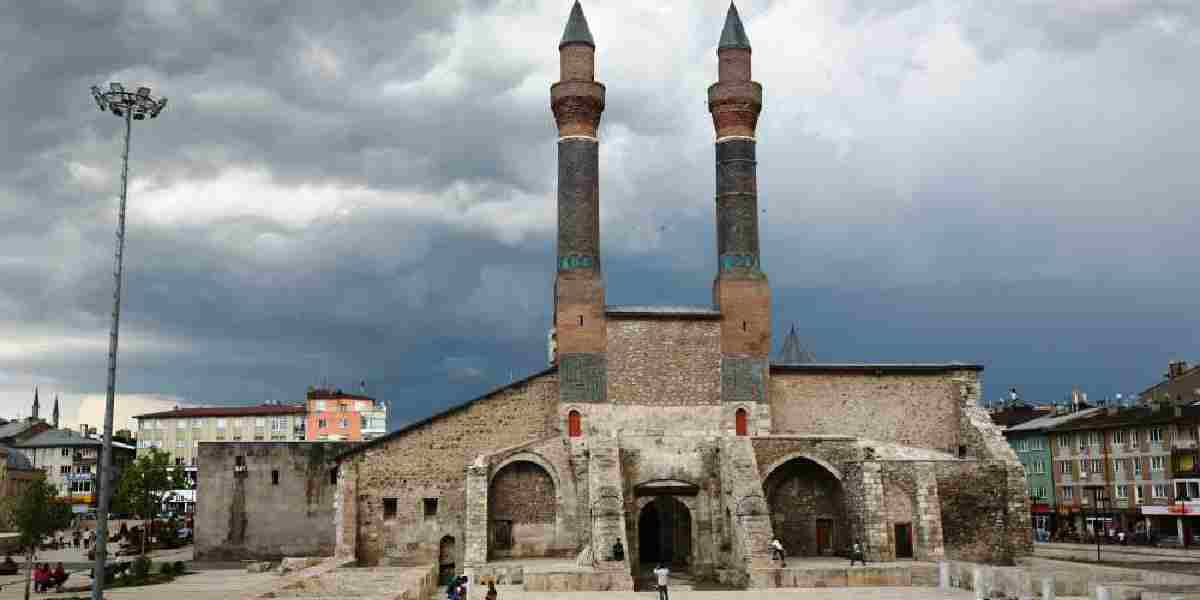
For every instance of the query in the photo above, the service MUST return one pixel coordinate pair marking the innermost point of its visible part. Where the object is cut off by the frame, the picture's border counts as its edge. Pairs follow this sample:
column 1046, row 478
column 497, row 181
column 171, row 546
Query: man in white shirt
column 777, row 551
column 662, row 575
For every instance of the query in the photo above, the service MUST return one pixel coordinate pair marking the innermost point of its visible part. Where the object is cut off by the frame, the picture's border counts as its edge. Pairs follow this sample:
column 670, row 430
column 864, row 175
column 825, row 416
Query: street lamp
column 132, row 106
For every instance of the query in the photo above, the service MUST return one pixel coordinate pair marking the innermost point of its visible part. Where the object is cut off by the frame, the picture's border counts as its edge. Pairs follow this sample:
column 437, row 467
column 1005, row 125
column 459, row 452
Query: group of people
column 457, row 589
column 45, row 578
column 777, row 553
column 77, row 539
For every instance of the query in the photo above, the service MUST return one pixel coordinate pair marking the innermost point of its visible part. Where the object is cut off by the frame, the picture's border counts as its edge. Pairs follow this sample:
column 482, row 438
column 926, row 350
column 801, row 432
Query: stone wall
column 807, row 509
column 429, row 461
column 522, row 501
column 877, row 407
column 241, row 513
column 664, row 361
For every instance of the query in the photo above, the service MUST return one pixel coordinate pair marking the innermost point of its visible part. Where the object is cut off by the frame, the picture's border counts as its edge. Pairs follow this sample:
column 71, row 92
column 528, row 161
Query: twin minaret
column 740, row 290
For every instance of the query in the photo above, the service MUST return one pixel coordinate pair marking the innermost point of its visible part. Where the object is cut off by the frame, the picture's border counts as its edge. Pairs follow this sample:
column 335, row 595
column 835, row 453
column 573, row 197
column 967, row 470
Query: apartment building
column 1116, row 469
column 71, row 460
column 334, row 415
column 1032, row 443
column 179, row 431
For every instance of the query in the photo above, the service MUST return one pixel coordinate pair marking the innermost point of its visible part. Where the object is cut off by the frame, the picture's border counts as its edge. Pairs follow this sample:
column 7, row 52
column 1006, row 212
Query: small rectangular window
column 274, row 476
column 389, row 508
column 431, row 507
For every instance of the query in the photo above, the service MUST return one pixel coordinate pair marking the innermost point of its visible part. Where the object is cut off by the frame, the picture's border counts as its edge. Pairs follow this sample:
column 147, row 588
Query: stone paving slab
column 773, row 594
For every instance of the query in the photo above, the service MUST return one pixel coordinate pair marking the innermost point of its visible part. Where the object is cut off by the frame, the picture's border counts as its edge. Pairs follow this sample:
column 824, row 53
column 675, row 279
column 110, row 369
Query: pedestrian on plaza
column 662, row 577
column 491, row 593
column 856, row 554
column 41, row 577
column 58, row 577
column 777, row 551
column 9, row 566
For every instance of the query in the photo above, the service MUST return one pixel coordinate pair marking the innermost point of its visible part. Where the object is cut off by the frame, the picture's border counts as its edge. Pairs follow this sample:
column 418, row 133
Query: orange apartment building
column 334, row 415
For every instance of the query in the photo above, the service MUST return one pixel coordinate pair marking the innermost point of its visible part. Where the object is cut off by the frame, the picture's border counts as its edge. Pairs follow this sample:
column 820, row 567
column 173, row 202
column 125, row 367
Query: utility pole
column 132, row 106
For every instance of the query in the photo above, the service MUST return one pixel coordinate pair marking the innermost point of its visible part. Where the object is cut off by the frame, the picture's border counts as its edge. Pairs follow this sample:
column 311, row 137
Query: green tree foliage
column 36, row 514
column 145, row 483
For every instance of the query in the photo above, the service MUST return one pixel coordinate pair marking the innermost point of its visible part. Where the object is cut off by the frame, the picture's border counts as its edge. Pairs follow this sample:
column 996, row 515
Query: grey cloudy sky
column 365, row 190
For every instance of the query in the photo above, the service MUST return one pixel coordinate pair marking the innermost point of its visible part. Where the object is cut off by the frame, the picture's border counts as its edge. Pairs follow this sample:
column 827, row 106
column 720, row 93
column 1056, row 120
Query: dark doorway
column 665, row 533
column 446, row 558
column 904, row 545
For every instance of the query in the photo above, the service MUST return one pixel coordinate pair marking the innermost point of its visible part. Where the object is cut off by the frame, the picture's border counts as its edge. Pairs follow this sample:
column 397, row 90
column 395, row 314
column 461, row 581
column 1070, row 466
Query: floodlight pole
column 127, row 105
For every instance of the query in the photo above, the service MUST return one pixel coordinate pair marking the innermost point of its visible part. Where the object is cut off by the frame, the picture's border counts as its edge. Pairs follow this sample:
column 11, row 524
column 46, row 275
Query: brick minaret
column 740, row 290
column 577, row 101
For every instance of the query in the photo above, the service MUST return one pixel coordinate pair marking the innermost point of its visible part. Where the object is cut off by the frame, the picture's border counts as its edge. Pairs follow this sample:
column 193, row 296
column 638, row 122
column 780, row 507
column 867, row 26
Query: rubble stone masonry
column 664, row 362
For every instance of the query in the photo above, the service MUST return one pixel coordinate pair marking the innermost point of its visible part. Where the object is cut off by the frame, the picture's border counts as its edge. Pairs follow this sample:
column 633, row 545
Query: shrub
column 141, row 567
column 166, row 569
column 180, row 569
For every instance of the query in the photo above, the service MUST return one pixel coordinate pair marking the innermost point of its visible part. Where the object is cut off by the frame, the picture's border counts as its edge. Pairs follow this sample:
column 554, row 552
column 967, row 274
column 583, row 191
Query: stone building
column 71, row 462
column 668, row 429
column 264, row 500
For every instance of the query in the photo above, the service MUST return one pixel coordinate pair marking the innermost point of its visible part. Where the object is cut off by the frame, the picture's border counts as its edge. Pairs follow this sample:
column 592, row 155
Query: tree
column 38, row 513
column 145, row 483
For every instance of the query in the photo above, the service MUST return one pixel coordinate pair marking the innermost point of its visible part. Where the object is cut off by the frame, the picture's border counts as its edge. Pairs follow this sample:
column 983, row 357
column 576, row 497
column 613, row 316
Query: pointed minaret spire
column 55, row 414
column 36, row 405
column 793, row 352
column 734, row 33
column 577, row 28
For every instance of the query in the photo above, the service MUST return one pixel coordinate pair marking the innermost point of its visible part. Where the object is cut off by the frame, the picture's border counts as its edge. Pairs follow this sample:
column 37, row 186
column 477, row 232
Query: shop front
column 1176, row 524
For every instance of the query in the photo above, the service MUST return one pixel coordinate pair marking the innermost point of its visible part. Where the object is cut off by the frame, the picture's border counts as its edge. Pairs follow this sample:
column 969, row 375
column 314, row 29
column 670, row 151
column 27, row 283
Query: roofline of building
column 319, row 394
column 638, row 311
column 449, row 411
column 1129, row 417
column 1189, row 371
column 875, row 368
column 229, row 411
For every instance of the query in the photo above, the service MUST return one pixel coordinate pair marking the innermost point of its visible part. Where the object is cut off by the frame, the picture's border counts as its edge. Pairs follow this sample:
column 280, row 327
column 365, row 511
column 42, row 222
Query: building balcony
column 1179, row 443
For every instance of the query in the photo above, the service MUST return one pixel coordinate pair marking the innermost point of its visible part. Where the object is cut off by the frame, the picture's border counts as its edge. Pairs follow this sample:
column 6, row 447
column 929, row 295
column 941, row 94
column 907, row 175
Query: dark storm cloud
column 367, row 191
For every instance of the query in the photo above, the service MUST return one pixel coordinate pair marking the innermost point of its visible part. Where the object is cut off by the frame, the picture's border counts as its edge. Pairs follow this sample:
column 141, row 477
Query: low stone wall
column 1070, row 579
column 566, row 580
column 365, row 583
column 917, row 574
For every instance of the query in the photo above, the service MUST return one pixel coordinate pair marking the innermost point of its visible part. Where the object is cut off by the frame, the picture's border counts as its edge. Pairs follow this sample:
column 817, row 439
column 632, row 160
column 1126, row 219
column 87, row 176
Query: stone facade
column 265, row 500
column 667, row 430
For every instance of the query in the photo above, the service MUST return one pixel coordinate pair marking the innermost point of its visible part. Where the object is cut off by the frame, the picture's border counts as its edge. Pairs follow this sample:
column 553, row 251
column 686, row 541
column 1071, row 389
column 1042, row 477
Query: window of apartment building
column 1095, row 438
column 278, row 423
column 1137, row 466
column 343, row 423
column 1118, row 436
column 274, row 476
column 260, row 422
column 258, row 437
column 1068, row 493
column 220, row 423
column 1039, row 444
column 239, row 461
column 1039, row 467
column 1155, row 434
column 179, row 461
column 1117, row 465
column 278, row 437
column 180, row 443
column 1160, row 490
column 1020, row 445
column 159, row 424
column 181, row 423
column 389, row 508
column 1137, row 494
column 322, row 423
column 1122, row 492
column 430, row 505
column 64, row 469
column 1064, row 441
column 1156, row 463
column 1064, row 467
column 1082, row 437
column 320, row 405
column 66, row 452
column 1187, row 432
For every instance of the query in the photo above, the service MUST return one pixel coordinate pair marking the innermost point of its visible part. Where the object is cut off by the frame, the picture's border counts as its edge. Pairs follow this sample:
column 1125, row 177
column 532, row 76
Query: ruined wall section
column 429, row 461
column 918, row 410
column 279, row 501
column 664, row 361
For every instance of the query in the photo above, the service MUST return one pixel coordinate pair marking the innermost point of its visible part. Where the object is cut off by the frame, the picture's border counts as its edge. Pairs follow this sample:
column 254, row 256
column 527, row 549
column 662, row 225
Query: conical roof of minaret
column 577, row 28
column 734, row 33
column 36, row 404
column 55, row 414
column 793, row 352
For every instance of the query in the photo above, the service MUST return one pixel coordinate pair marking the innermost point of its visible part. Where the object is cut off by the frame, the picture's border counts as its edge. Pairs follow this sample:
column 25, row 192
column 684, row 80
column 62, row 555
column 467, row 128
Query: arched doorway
column 807, row 505
column 522, row 507
column 739, row 422
column 665, row 534
column 446, row 558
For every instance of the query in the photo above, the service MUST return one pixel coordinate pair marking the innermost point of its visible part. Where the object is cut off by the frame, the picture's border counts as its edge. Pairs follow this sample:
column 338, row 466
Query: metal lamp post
column 132, row 106
column 1099, row 498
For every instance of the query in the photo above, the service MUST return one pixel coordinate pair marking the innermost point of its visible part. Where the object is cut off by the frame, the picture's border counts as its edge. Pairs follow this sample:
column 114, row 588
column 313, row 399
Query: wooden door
column 824, row 539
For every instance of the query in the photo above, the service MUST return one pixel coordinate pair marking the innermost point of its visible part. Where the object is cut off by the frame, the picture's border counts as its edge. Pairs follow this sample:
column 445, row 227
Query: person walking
column 856, row 554
column 777, row 551
column 662, row 576
column 491, row 593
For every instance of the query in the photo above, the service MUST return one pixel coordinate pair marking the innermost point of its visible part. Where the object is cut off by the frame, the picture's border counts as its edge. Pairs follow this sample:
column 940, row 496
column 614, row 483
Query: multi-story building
column 1114, row 469
column 334, row 415
column 1029, row 439
column 1180, row 385
column 16, row 471
column 71, row 462
column 179, row 431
